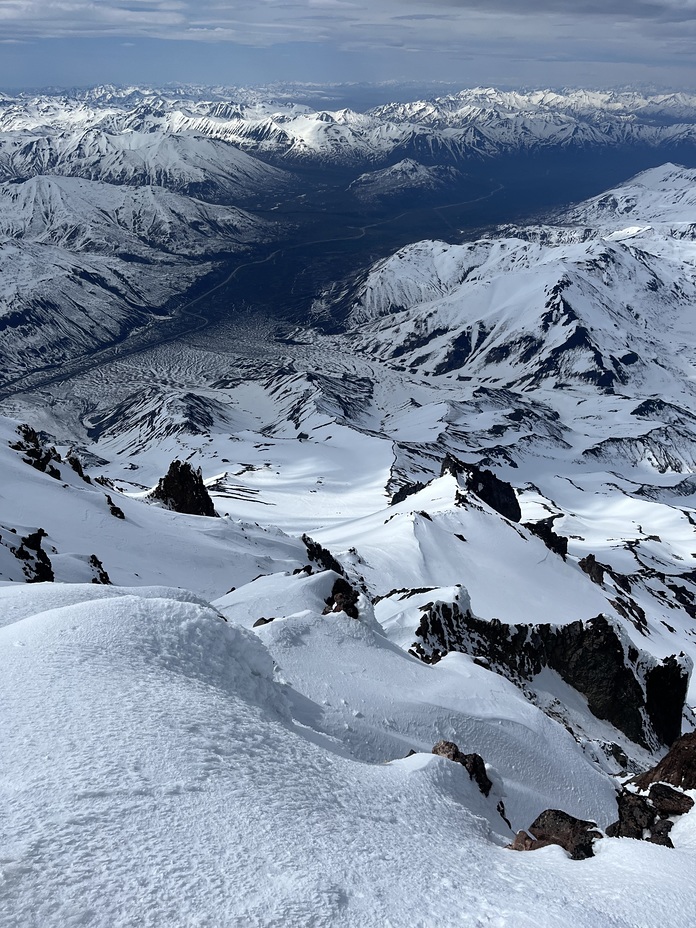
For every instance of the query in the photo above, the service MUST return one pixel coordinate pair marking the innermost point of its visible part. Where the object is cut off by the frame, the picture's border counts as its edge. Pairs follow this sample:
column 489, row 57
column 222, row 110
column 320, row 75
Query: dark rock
column 659, row 833
column 115, row 510
column 344, row 598
column 591, row 657
column 645, row 817
column 592, row 567
column 618, row 754
column 525, row 842
column 100, row 575
column 500, row 809
column 473, row 763
column 498, row 494
column 447, row 749
column 36, row 453
column 33, row 540
column 574, row 835
column 408, row 489
column 636, row 815
column 262, row 621
column 321, row 556
column 76, row 464
column 594, row 657
column 669, row 801
column 665, row 686
column 544, row 529
column 677, row 767
column 37, row 567
column 183, row 490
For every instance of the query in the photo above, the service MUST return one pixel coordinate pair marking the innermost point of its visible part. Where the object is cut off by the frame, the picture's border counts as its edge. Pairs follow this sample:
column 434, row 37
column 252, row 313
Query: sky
column 537, row 43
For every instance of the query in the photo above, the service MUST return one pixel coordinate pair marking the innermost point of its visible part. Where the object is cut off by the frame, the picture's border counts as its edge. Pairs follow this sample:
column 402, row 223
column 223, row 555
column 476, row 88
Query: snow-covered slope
column 404, row 178
column 154, row 770
column 85, row 262
column 200, row 167
column 87, row 216
column 134, row 542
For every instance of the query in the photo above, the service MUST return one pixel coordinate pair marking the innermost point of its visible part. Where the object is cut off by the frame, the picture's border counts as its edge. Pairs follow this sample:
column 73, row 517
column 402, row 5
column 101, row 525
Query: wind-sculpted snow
column 154, row 769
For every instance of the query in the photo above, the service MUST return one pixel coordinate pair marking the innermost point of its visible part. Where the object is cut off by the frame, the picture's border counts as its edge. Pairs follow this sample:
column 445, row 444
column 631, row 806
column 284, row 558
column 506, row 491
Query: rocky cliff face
column 639, row 695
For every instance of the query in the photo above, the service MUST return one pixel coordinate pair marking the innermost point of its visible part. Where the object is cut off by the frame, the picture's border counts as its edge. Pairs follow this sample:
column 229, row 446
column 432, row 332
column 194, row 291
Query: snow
column 153, row 773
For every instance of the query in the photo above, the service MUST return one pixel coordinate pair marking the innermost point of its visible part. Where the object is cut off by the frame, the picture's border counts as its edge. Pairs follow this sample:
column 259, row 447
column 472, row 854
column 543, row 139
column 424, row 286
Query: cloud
column 651, row 32
column 178, row 19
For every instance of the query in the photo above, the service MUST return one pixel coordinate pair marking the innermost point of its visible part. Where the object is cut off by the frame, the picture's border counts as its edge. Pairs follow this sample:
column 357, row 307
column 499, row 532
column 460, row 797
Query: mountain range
column 333, row 558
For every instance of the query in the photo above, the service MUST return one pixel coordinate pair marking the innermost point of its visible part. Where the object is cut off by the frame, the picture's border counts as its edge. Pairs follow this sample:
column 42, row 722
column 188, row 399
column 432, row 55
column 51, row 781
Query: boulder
column 659, row 833
column 669, row 801
column 645, row 816
column 576, row 836
column 636, row 816
column 677, row 767
column 525, row 842
column 473, row 763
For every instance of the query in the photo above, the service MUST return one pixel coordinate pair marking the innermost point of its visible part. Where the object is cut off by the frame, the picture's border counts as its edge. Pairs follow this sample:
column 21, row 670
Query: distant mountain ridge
column 476, row 123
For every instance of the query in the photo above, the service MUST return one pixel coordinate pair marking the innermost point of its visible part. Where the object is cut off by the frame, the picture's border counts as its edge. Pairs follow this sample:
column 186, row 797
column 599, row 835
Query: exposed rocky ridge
column 544, row 529
column 182, row 489
column 37, row 565
column 497, row 493
column 343, row 598
column 642, row 697
column 36, row 452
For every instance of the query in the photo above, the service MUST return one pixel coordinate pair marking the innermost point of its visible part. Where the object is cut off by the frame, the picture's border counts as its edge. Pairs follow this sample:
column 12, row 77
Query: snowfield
column 154, row 771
